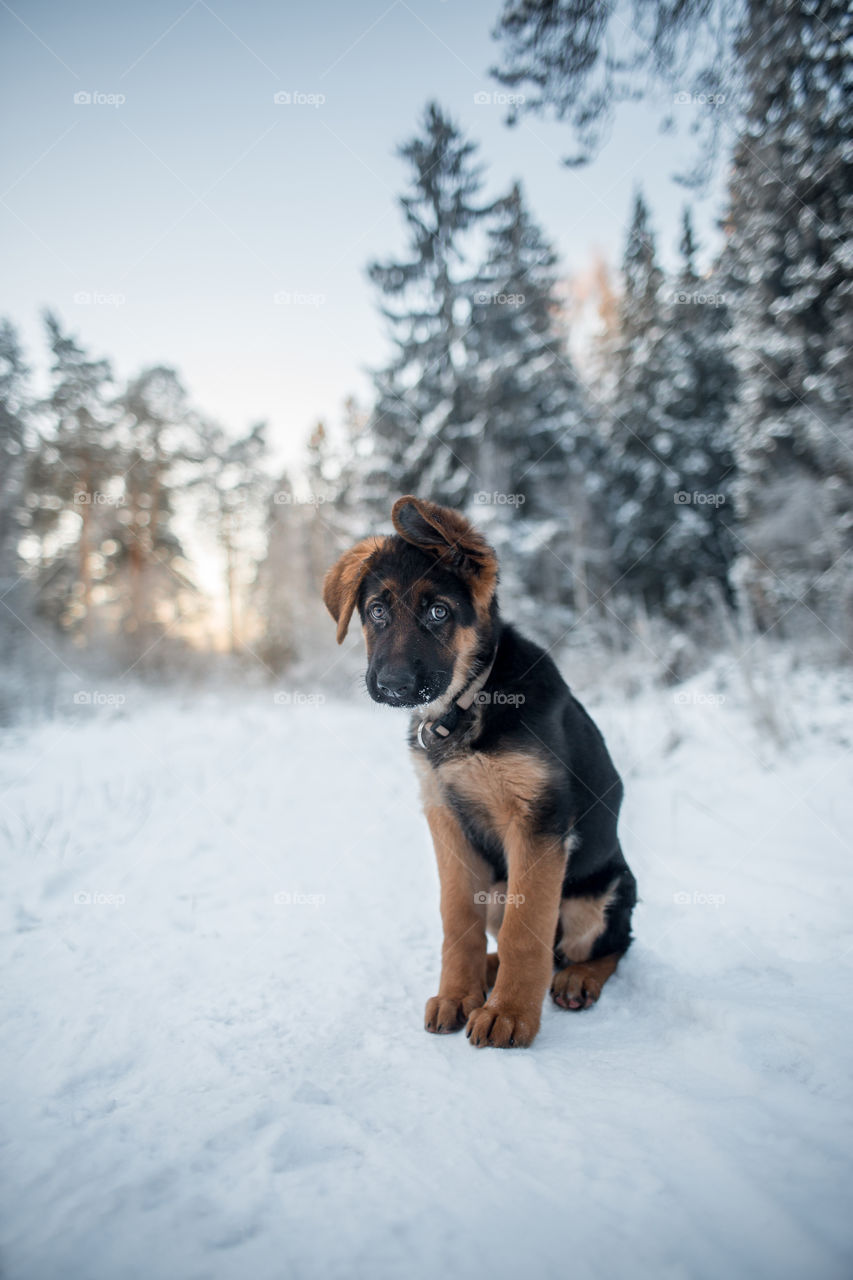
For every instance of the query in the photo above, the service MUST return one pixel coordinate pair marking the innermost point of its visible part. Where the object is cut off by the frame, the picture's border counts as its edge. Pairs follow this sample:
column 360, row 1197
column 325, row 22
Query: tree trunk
column 230, row 582
column 84, row 560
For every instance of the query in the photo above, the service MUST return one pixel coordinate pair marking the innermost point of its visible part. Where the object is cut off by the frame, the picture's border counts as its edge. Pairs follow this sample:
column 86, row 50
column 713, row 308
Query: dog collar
column 444, row 726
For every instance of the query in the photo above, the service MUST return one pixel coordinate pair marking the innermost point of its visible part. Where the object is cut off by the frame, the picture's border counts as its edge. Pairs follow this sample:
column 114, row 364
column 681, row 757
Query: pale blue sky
column 198, row 198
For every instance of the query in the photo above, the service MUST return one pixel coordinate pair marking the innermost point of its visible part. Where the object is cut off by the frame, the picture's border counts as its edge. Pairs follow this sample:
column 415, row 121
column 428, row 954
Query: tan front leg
column 464, row 880
column 513, row 1012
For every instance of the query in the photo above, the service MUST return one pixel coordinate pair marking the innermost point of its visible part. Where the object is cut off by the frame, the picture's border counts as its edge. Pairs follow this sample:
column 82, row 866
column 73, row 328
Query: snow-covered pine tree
column 349, row 462
column 790, row 259
column 537, row 465
column 148, row 564
column 694, row 403
column 17, row 679
column 13, row 449
column 233, row 487
column 674, row 385
column 325, row 530
column 643, row 480
column 75, row 471
column 423, row 436
column 278, row 592
column 306, row 530
column 580, row 61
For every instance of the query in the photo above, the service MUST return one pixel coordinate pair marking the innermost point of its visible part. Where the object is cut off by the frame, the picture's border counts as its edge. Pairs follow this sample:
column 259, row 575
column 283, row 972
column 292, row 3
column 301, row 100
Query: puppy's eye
column 377, row 611
column 439, row 613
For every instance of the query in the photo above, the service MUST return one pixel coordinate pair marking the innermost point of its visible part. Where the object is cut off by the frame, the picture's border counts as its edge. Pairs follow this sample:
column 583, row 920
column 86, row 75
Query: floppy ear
column 452, row 538
column 342, row 582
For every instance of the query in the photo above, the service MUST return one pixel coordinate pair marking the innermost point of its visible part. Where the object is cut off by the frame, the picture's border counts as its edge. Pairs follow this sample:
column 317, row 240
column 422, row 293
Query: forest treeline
column 699, row 460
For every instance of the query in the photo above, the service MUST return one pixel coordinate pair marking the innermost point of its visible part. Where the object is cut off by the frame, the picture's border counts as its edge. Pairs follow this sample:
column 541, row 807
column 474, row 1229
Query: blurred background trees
column 698, row 460
column 778, row 76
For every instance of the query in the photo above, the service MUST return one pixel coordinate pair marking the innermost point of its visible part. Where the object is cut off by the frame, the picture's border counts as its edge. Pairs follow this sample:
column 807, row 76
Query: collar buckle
column 443, row 727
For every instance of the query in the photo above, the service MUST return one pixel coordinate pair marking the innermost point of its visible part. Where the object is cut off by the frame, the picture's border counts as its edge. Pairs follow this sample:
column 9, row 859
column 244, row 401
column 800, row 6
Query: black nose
column 395, row 683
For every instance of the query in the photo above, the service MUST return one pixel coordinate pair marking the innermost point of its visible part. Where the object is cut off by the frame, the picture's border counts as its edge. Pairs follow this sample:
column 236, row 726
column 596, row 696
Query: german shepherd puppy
column 518, row 788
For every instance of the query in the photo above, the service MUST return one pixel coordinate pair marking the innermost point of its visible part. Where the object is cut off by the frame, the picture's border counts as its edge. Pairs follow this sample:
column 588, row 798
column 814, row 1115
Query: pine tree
column 791, row 274
column 74, row 480
column 785, row 69
column 644, row 480
column 353, row 460
column 674, row 385
column 536, row 467
column 421, row 424
column 321, row 523
column 157, row 439
column 234, row 487
column 14, row 412
column 279, row 589
column 694, row 404
column 307, row 528
column 580, row 61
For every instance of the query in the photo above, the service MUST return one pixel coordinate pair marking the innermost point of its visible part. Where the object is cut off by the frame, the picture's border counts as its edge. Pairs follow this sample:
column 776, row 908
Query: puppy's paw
column 576, row 987
column 499, row 1027
column 444, row 1014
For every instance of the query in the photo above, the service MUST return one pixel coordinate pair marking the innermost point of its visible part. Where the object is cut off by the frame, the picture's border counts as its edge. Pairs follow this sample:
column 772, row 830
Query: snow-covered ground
column 221, row 928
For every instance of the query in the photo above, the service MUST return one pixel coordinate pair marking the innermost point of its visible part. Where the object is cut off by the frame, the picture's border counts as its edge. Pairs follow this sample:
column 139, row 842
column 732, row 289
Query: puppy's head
column 426, row 599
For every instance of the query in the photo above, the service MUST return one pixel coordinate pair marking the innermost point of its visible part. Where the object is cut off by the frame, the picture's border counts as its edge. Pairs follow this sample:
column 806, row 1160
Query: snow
column 214, row 1065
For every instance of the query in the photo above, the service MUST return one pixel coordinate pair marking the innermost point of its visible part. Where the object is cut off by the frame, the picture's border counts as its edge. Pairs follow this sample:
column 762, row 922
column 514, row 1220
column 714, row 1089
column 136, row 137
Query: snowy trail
column 215, row 1065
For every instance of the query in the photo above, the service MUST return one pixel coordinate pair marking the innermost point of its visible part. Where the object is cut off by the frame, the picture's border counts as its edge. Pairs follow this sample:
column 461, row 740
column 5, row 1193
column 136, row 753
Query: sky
column 179, row 214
